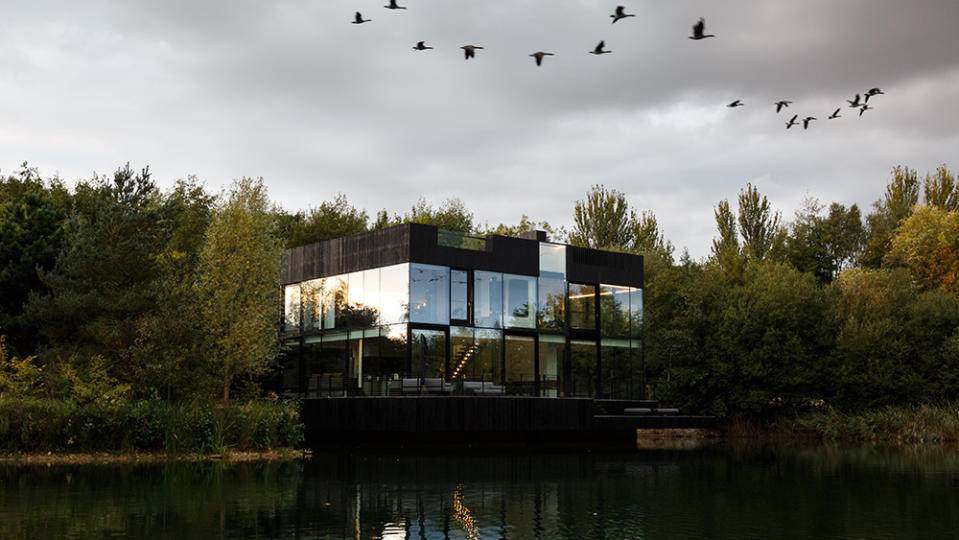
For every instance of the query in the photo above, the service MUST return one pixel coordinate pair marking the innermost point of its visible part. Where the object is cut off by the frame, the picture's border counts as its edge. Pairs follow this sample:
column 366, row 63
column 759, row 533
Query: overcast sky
column 291, row 91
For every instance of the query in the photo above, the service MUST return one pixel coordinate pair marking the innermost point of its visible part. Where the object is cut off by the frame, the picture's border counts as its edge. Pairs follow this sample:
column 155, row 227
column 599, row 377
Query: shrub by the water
column 897, row 424
column 38, row 425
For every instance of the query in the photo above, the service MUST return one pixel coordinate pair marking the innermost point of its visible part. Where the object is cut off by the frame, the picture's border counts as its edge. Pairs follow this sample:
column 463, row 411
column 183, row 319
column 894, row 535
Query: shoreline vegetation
column 39, row 427
column 896, row 425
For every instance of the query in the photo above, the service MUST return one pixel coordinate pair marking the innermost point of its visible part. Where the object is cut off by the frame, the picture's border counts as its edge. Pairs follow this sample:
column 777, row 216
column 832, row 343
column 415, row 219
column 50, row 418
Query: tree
column 452, row 215
column 238, row 282
column 648, row 240
column 525, row 225
column 941, row 190
column 758, row 227
column 726, row 251
column 902, row 193
column 824, row 244
column 333, row 219
column 100, row 287
column 32, row 213
column 602, row 221
column 927, row 244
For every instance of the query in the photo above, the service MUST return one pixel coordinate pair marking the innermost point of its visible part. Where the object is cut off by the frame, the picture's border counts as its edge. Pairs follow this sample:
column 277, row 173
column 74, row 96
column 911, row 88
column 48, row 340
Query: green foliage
column 452, row 215
column 824, row 244
column 19, row 377
column 940, row 190
column 726, row 250
column 237, row 285
column 602, row 221
column 332, row 219
column 32, row 213
column 902, row 193
column 757, row 225
column 99, row 288
column 28, row 425
column 555, row 234
column 918, row 423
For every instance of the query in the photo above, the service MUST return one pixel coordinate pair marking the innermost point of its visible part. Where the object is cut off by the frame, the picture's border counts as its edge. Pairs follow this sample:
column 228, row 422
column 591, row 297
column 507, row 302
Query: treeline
column 117, row 290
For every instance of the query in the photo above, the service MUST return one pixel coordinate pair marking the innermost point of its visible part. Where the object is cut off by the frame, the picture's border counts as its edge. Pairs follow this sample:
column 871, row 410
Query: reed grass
column 35, row 425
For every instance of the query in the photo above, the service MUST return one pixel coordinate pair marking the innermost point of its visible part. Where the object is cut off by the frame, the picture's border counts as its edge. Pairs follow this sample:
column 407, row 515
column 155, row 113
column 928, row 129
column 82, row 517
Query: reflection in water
column 783, row 492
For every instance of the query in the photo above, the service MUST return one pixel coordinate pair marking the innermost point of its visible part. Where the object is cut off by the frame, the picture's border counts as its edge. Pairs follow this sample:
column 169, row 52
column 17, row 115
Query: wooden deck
column 338, row 420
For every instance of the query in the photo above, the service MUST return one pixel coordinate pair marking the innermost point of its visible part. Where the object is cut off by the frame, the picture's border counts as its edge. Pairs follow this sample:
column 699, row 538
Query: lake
column 769, row 491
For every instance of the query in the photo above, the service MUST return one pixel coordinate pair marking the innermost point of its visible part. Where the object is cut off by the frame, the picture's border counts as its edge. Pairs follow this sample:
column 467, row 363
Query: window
column 487, row 299
column 552, row 260
column 582, row 306
column 459, row 295
column 520, row 301
column 614, row 310
column 394, row 294
column 551, row 313
column 291, row 307
column 429, row 294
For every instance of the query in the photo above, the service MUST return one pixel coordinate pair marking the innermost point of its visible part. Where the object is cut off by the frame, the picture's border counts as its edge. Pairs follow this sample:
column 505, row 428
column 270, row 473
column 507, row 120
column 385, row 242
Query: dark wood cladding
column 413, row 242
column 587, row 265
column 502, row 254
column 374, row 249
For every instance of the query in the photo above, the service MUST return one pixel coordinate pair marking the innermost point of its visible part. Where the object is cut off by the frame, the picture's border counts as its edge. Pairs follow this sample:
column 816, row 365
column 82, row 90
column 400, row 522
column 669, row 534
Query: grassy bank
column 36, row 426
column 927, row 423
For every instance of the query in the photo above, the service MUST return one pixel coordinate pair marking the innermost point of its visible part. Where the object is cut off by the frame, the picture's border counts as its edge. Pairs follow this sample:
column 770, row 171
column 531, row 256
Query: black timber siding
column 413, row 242
column 586, row 265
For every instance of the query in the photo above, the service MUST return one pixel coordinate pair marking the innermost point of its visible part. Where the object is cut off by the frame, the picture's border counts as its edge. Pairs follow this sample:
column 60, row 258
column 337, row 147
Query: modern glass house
column 413, row 309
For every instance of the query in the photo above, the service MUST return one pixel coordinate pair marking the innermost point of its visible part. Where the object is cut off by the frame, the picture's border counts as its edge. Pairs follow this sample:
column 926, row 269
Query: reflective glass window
column 614, row 310
column 463, row 361
column 551, row 313
column 394, row 362
column 429, row 294
column 487, row 299
column 312, row 300
column 552, row 354
column 552, row 260
column 582, row 368
column 335, row 295
column 459, row 295
column 431, row 362
column 489, row 354
column 519, row 301
column 636, row 311
column 520, row 364
column 291, row 307
column 328, row 365
column 394, row 294
column 615, row 369
column 582, row 306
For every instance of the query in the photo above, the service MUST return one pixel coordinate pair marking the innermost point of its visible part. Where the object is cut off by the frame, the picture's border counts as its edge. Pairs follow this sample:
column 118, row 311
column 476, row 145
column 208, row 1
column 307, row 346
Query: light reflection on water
column 486, row 493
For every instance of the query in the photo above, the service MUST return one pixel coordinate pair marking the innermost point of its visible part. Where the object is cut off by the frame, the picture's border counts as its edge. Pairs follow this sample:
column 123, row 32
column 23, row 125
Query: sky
column 292, row 92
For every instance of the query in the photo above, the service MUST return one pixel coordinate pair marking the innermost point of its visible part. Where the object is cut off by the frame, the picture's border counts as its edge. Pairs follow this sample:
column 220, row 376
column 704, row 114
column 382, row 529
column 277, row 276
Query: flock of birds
column 854, row 103
column 469, row 51
column 699, row 29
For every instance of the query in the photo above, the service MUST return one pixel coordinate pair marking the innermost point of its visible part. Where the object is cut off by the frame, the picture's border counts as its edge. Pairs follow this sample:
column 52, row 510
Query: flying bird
column 698, row 30
column 865, row 108
column 853, row 103
column 736, row 103
column 792, row 121
column 392, row 5
column 835, row 114
column 539, row 56
column 806, row 120
column 470, row 50
column 599, row 48
column 359, row 19
column 781, row 104
column 620, row 14
column 872, row 92
column 420, row 46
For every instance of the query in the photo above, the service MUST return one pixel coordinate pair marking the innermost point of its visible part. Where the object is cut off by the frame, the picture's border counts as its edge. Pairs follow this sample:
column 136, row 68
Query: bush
column 34, row 425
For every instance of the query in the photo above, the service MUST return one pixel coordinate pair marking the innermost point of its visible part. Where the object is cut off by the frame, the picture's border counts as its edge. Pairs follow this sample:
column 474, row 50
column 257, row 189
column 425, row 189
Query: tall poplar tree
column 603, row 220
column 238, row 284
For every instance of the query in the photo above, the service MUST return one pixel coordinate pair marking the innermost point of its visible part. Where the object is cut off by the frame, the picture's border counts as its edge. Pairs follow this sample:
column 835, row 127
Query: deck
column 474, row 418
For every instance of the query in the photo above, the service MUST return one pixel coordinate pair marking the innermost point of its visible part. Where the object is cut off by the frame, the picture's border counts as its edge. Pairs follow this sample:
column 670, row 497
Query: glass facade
column 415, row 328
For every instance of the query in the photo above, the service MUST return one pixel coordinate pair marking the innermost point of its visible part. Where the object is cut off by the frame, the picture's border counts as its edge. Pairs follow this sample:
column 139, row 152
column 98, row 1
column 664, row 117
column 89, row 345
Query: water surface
column 573, row 492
